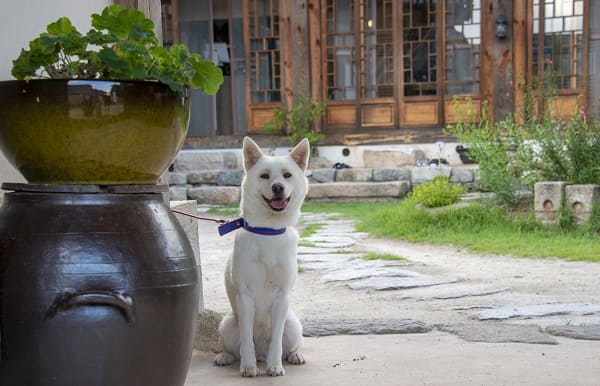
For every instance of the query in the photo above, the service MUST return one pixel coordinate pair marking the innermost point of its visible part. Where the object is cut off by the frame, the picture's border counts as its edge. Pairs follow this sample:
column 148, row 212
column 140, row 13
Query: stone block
column 215, row 195
column 461, row 175
column 392, row 189
column 580, row 199
column 322, row 175
column 178, row 193
column 230, row 177
column 354, row 175
column 202, row 177
column 319, row 163
column 416, row 155
column 176, row 178
column 428, row 173
column 386, row 159
column 190, row 227
column 191, row 160
column 547, row 199
column 390, row 174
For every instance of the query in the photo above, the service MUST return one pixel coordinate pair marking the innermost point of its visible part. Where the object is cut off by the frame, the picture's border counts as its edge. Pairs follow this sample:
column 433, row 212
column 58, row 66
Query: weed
column 437, row 192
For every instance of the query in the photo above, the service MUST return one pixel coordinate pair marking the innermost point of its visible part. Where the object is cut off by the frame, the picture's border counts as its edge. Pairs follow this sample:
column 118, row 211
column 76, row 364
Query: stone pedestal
column 580, row 200
column 548, row 197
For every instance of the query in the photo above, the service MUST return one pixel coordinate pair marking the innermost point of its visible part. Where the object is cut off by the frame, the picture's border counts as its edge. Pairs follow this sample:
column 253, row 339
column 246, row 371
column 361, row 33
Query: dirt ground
column 434, row 358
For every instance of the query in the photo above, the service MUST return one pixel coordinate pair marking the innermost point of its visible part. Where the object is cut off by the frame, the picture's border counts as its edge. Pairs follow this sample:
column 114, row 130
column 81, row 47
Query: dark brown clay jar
column 96, row 289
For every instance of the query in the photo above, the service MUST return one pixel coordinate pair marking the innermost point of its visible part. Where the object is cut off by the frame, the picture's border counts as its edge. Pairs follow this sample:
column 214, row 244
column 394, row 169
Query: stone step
column 390, row 189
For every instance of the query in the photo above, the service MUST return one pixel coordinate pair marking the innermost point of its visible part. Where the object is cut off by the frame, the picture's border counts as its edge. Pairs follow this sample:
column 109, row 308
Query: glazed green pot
column 91, row 131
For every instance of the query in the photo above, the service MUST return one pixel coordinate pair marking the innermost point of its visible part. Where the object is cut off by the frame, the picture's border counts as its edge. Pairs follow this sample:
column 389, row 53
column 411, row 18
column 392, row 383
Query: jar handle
column 72, row 299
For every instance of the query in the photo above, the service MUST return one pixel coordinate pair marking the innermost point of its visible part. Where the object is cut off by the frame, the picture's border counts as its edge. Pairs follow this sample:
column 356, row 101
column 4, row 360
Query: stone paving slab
column 394, row 283
column 452, row 291
column 304, row 250
column 318, row 264
column 359, row 326
column 317, row 239
column 323, row 266
column 559, row 320
column 329, row 257
column 591, row 332
column 332, row 245
column 362, row 272
column 499, row 333
column 537, row 310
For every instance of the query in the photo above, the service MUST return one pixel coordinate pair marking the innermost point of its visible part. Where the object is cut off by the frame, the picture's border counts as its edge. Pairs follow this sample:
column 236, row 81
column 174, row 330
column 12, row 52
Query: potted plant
column 107, row 107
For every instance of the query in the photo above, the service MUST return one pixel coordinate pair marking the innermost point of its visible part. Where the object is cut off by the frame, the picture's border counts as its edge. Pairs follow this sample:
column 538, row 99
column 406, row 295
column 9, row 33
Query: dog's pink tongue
column 278, row 204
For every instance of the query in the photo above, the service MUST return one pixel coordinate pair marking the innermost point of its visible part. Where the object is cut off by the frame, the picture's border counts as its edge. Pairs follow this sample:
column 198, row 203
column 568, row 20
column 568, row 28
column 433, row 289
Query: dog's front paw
column 249, row 371
column 224, row 359
column 275, row 370
column 295, row 358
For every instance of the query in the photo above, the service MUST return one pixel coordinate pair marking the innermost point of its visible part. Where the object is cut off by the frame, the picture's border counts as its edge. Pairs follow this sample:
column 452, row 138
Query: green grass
column 478, row 228
column 382, row 256
column 310, row 229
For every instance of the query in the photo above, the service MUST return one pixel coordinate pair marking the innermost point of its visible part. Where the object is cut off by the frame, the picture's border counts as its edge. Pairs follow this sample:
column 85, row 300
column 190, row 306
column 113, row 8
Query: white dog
column 262, row 271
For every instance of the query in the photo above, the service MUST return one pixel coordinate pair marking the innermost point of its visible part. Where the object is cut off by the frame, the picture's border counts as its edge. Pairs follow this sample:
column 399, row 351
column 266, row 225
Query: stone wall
column 221, row 187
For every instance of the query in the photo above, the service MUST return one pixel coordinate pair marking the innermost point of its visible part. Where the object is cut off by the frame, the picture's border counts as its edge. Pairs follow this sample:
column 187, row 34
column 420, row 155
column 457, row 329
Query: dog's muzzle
column 278, row 202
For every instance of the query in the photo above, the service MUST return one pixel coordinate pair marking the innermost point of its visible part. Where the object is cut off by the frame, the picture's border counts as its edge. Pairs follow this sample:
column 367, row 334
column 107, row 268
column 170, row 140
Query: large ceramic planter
column 91, row 131
column 98, row 287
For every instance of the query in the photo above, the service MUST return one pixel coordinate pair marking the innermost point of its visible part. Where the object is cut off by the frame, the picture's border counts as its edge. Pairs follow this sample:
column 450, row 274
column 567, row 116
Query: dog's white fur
column 262, row 270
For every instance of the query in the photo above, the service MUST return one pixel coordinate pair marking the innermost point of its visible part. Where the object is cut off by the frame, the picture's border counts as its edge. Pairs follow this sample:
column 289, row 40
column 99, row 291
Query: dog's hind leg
column 292, row 340
column 230, row 339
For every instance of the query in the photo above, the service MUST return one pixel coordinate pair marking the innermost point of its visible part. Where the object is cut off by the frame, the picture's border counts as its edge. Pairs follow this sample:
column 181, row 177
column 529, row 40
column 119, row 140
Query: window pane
column 419, row 47
column 264, row 65
column 340, row 61
column 561, row 53
column 463, row 38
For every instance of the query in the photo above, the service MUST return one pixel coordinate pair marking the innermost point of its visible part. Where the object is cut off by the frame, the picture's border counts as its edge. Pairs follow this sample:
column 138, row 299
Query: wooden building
column 385, row 67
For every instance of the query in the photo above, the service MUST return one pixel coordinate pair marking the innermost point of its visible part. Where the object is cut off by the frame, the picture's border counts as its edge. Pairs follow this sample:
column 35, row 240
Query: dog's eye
column 264, row 176
column 287, row 175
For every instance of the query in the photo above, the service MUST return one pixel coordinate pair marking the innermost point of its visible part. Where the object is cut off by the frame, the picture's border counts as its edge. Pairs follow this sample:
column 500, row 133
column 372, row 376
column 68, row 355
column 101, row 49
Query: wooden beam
column 285, row 39
column 315, row 57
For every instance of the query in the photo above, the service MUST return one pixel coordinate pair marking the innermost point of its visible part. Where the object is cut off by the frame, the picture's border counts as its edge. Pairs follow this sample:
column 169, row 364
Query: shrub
column 298, row 121
column 512, row 155
column 437, row 192
column 493, row 147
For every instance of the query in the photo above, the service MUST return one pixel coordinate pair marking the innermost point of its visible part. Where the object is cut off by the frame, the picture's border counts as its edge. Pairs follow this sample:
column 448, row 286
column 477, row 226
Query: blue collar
column 241, row 223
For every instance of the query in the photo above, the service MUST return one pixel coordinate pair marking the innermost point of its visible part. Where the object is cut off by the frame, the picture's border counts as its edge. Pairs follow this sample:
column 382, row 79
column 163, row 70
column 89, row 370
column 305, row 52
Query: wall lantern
column 501, row 27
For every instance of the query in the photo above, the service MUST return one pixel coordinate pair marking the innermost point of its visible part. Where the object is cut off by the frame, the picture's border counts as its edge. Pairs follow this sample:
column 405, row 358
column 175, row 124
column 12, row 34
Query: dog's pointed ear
column 300, row 154
column 251, row 152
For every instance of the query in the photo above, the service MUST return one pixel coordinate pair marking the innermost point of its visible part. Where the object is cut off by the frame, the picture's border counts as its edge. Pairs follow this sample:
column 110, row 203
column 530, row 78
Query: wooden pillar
column 295, row 51
column 520, row 62
column 315, row 55
column 593, row 60
column 502, row 77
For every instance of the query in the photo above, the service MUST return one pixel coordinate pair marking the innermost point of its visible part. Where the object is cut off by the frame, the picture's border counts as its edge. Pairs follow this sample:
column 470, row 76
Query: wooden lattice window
column 376, row 48
column 264, row 51
column 340, row 65
column 463, row 46
column 419, row 49
column 558, row 42
column 359, row 49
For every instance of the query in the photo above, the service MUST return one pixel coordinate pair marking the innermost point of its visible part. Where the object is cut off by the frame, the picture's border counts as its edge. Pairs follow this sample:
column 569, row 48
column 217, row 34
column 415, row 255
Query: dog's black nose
column 277, row 189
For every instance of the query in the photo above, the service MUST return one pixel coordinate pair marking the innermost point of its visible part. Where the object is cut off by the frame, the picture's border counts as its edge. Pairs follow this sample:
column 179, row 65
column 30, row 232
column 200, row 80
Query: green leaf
column 47, row 44
column 23, row 67
column 117, row 65
column 62, row 26
column 180, row 54
column 207, row 76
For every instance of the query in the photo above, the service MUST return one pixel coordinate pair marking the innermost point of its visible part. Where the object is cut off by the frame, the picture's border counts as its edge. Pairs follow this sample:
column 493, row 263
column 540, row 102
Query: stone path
column 334, row 252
